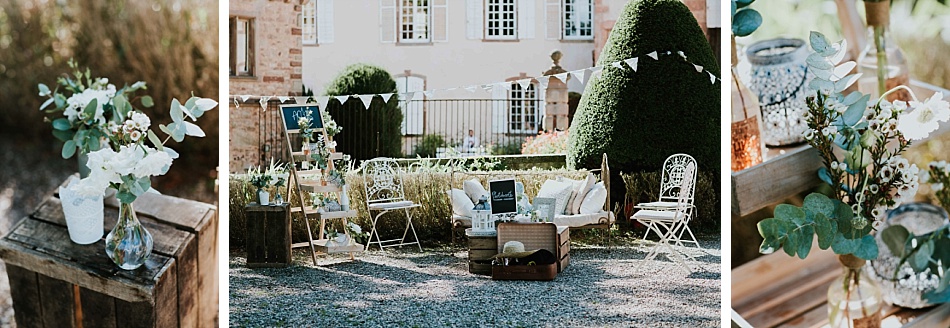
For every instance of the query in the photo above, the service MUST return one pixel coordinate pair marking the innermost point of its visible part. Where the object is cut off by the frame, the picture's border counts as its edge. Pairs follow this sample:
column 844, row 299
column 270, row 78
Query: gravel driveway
column 405, row 288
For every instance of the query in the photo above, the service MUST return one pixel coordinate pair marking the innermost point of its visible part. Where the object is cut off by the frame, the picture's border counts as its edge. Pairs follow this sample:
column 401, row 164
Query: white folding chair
column 674, row 171
column 669, row 224
column 384, row 193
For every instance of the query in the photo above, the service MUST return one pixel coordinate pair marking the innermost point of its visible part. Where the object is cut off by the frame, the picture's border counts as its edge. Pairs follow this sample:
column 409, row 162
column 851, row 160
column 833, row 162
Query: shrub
column 509, row 148
column 546, row 143
column 380, row 124
column 644, row 187
column 429, row 145
column 665, row 107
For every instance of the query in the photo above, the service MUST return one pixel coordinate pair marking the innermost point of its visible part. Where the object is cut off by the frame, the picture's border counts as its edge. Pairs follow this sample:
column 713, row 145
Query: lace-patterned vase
column 128, row 244
column 779, row 78
column 908, row 289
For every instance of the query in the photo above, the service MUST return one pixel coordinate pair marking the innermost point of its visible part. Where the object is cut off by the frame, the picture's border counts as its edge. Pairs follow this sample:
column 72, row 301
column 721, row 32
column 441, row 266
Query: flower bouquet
column 860, row 142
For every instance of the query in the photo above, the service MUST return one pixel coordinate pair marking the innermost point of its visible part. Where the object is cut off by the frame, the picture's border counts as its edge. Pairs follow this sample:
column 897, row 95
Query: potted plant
column 260, row 179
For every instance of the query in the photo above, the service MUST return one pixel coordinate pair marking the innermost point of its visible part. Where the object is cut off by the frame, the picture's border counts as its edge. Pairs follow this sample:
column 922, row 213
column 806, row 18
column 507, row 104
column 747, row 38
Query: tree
column 366, row 133
column 665, row 107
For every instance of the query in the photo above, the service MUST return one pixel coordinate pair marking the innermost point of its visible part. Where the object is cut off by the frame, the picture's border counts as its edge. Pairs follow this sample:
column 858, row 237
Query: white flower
column 886, row 174
column 873, row 188
column 108, row 167
column 141, row 121
column 331, row 144
column 154, row 163
column 925, row 117
column 135, row 135
column 936, row 186
column 76, row 103
column 138, row 85
column 834, row 165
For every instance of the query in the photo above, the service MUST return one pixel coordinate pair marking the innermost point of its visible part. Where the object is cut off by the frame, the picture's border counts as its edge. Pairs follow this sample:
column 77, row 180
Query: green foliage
column 429, row 145
column 745, row 20
column 380, row 123
column 930, row 251
column 642, row 187
column 793, row 229
column 509, row 148
column 665, row 107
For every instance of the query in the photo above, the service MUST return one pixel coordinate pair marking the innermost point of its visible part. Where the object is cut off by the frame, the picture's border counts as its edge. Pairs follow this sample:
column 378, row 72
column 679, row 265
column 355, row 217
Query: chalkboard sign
column 503, row 199
column 292, row 113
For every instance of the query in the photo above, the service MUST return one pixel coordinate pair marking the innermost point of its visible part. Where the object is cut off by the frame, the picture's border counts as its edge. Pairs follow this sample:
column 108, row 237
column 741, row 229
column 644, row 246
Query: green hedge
column 381, row 123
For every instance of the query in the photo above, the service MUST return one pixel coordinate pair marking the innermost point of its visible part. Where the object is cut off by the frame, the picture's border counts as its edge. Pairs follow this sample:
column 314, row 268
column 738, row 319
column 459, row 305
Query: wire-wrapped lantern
column 780, row 79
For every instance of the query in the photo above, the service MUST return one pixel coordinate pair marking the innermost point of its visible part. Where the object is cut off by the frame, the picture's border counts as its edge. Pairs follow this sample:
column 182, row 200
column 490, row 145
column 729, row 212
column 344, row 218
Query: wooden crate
column 268, row 235
column 480, row 252
column 56, row 283
column 556, row 239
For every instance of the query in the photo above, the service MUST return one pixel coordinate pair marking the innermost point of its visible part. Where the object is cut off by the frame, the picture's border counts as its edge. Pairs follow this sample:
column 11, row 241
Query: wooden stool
column 481, row 248
column 57, row 283
column 268, row 235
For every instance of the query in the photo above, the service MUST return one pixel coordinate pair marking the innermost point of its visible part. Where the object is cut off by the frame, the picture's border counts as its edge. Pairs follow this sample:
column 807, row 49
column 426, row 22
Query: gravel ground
column 405, row 288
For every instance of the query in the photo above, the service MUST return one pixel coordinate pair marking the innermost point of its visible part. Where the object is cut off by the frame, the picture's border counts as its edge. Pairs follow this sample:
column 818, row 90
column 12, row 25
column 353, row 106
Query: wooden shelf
column 788, row 171
column 321, row 246
column 299, row 156
column 326, row 215
column 315, row 186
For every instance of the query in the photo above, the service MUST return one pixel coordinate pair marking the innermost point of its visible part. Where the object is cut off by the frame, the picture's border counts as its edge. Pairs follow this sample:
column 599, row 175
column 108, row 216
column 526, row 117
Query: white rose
column 155, row 163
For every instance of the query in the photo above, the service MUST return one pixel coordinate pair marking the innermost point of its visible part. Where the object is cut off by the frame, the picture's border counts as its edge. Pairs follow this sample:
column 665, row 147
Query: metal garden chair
column 384, row 193
column 670, row 223
column 674, row 171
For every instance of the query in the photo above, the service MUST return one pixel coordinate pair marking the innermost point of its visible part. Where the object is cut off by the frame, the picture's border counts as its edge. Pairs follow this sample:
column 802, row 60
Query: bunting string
column 581, row 76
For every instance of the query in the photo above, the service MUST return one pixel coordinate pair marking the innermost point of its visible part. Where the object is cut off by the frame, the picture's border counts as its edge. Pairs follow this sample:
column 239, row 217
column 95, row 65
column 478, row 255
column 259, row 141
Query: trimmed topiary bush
column 665, row 107
column 366, row 133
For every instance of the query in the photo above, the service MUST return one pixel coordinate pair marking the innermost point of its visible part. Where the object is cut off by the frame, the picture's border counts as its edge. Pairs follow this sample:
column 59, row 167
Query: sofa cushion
column 461, row 204
column 474, row 190
column 594, row 200
column 581, row 193
column 560, row 191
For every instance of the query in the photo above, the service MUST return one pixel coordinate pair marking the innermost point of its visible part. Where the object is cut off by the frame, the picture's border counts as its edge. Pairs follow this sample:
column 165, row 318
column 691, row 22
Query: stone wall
column 277, row 71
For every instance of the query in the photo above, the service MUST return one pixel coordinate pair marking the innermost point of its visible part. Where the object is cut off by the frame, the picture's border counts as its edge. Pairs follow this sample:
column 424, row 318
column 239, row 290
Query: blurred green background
column 171, row 45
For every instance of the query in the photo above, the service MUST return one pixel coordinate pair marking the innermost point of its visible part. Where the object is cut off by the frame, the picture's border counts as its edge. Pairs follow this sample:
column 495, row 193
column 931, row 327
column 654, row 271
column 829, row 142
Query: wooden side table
column 56, row 283
column 268, row 235
column 481, row 248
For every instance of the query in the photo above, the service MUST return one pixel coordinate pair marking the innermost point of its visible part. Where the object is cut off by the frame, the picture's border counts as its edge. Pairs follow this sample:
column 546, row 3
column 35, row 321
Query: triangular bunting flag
column 429, row 93
column 699, row 69
column 471, row 88
column 668, row 52
column 632, row 62
column 301, row 100
column 341, row 99
column 237, row 104
column 593, row 72
column 386, row 97
column 244, row 98
column 322, row 101
column 367, row 100
column 543, row 81
column 617, row 64
column 562, row 77
column 503, row 85
column 524, row 83
column 487, row 87
column 452, row 89
column 681, row 54
column 654, row 55
column 712, row 78
column 412, row 95
column 263, row 102
column 283, row 99
column 580, row 75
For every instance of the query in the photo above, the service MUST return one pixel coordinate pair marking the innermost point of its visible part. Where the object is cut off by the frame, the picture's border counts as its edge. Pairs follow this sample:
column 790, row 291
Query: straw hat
column 514, row 250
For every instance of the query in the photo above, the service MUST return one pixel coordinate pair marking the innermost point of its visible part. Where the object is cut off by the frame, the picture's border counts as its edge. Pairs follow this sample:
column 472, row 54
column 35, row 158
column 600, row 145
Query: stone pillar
column 555, row 96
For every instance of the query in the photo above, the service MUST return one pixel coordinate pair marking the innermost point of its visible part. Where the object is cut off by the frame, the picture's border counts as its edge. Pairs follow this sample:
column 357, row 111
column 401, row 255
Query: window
column 500, row 20
column 578, row 18
column 414, row 21
column 242, row 54
column 308, row 22
column 413, row 110
column 523, row 104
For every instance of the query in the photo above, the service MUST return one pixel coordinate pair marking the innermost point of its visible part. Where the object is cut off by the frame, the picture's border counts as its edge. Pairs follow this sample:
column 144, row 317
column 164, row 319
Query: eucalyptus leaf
column 805, row 240
column 819, row 203
column 867, row 248
column 192, row 130
column 147, row 102
column 119, row 102
column 846, row 82
column 90, row 111
column 44, row 90
column 826, row 229
column 69, row 149
column 746, row 21
column 842, row 50
column 792, row 242
column 821, row 85
column 824, row 175
column 190, row 103
column 47, row 103
column 842, row 245
column 852, row 97
column 155, row 140
column 62, row 124
column 845, row 68
column 819, row 42
column 855, row 111
column 791, row 213
column 818, row 62
column 743, row 3
column 921, row 258
column 64, row 135
column 895, row 237
column 125, row 196
column 176, row 112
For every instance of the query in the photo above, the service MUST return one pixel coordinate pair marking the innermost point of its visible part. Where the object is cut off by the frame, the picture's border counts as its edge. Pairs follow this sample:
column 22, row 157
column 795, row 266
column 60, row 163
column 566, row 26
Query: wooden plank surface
column 27, row 309
column 58, row 302
column 98, row 309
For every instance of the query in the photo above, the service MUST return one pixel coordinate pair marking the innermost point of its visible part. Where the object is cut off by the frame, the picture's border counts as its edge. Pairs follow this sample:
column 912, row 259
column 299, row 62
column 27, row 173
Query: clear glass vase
column 882, row 62
column 854, row 301
column 747, row 144
column 128, row 244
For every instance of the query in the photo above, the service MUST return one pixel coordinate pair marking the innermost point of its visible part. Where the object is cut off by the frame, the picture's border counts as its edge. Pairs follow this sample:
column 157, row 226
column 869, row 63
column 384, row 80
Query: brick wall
column 277, row 71
column 606, row 13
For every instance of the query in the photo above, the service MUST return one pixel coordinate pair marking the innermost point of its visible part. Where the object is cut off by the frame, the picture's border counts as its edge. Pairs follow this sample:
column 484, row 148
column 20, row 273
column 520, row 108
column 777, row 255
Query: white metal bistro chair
column 674, row 171
column 384, row 194
column 670, row 223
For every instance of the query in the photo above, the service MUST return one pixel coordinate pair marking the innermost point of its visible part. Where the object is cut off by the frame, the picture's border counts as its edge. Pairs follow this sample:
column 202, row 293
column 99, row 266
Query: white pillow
column 581, row 193
column 575, row 187
column 595, row 199
column 560, row 191
column 461, row 205
column 474, row 190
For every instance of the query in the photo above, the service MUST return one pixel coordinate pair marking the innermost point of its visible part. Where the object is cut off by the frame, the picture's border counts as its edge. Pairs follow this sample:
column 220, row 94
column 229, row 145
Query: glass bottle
column 882, row 62
column 747, row 144
column 854, row 301
column 128, row 244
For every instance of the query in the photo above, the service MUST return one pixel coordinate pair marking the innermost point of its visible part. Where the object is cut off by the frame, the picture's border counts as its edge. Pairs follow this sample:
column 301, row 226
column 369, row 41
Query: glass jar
column 128, row 244
column 882, row 62
column 747, row 145
column 779, row 78
column 854, row 301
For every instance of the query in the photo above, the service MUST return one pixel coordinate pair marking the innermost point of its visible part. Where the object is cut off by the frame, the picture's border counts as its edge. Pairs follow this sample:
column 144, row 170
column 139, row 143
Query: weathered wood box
column 268, row 235
column 57, row 283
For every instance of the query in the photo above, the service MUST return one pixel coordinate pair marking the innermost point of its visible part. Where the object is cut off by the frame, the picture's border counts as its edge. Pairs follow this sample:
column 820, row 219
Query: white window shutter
column 324, row 21
column 712, row 14
column 552, row 19
column 541, row 107
column 526, row 21
column 474, row 19
column 387, row 21
column 439, row 23
column 412, row 112
column 499, row 110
